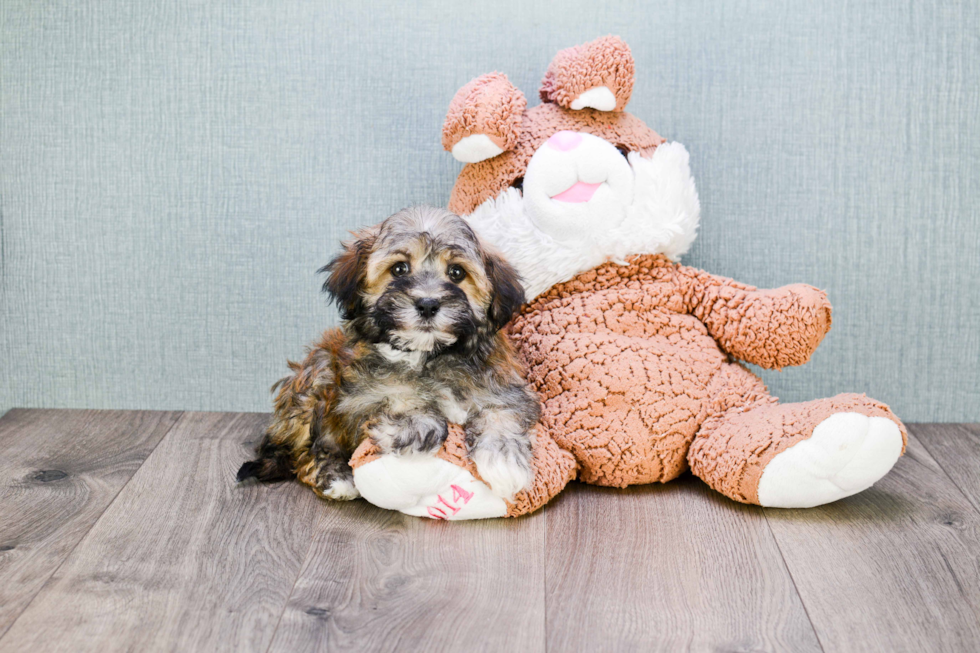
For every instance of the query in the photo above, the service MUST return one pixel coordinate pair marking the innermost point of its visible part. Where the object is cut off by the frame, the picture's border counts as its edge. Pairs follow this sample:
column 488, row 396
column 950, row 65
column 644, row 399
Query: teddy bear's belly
column 626, row 402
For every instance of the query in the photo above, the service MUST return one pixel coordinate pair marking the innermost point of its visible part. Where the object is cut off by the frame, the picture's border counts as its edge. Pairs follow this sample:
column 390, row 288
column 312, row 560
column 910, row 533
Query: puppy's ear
column 508, row 293
column 346, row 272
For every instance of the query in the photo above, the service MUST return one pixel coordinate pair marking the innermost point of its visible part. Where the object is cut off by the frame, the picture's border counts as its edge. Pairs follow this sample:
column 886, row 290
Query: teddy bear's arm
column 770, row 328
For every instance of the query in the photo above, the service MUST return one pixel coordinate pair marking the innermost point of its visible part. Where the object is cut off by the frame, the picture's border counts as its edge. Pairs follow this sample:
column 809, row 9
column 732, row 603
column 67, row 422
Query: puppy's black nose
column 427, row 307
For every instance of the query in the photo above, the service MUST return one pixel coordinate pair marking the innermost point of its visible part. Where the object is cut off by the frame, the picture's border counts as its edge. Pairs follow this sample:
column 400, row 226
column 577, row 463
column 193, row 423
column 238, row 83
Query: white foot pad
column 846, row 454
column 426, row 486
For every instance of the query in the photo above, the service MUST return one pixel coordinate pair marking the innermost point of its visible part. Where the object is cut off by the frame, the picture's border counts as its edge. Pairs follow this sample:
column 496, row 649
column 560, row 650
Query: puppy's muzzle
column 427, row 307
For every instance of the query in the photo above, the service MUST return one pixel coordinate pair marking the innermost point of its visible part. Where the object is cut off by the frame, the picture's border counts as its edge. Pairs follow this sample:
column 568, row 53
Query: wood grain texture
column 175, row 556
column 956, row 447
column 59, row 470
column 667, row 567
column 184, row 559
column 381, row 581
column 895, row 568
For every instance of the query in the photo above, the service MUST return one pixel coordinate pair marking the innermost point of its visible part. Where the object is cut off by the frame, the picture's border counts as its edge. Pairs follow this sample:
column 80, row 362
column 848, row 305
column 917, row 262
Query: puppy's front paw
column 507, row 470
column 425, row 434
column 330, row 478
column 407, row 434
column 340, row 489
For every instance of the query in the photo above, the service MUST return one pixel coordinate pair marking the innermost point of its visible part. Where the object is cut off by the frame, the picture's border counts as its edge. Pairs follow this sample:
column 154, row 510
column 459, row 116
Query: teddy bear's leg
column 797, row 455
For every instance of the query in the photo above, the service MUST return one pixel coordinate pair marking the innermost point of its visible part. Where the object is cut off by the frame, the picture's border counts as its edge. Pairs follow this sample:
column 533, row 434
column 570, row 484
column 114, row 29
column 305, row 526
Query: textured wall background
column 173, row 173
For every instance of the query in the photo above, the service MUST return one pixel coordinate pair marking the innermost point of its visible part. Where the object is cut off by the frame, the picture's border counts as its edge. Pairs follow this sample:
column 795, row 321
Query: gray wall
column 173, row 173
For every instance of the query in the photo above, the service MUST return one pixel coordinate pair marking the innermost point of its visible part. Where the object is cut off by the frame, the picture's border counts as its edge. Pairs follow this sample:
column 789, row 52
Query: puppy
column 422, row 302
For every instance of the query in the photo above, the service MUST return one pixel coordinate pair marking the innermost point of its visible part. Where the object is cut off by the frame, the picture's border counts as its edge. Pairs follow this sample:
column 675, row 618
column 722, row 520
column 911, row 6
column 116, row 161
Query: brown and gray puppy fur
column 423, row 303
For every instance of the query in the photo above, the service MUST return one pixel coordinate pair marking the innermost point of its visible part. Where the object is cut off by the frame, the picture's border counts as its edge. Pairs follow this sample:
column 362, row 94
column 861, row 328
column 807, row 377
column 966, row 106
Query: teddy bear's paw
column 507, row 470
column 426, row 486
column 847, row 453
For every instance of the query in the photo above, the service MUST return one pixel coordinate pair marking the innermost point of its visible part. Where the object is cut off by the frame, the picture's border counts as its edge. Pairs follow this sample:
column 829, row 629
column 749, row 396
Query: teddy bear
column 638, row 360
column 448, row 485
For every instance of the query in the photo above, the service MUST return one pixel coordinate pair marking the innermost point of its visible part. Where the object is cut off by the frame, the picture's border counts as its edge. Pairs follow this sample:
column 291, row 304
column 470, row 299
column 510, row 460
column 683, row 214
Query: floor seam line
column 544, row 576
column 936, row 460
column 792, row 579
column 180, row 416
column 292, row 589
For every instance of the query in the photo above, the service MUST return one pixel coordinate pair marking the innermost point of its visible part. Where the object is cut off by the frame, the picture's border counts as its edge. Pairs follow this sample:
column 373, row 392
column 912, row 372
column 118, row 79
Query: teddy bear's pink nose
column 565, row 141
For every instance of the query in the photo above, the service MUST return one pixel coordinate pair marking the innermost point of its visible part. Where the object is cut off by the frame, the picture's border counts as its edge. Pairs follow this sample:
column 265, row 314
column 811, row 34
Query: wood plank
column 894, row 568
column 381, row 581
column 184, row 559
column 59, row 470
column 667, row 567
column 956, row 447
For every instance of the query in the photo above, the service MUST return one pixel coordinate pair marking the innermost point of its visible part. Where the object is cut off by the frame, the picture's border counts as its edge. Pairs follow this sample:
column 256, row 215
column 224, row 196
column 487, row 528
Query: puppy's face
column 421, row 281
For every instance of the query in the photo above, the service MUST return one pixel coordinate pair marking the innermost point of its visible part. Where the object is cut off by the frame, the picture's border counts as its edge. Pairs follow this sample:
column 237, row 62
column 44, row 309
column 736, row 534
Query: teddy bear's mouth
column 578, row 192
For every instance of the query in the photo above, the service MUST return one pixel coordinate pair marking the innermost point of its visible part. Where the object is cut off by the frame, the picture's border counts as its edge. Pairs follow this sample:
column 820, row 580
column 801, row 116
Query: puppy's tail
column 275, row 463
column 288, row 438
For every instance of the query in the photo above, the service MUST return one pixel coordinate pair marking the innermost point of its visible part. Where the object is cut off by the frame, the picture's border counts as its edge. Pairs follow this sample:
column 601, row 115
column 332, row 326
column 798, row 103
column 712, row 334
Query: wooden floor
column 126, row 531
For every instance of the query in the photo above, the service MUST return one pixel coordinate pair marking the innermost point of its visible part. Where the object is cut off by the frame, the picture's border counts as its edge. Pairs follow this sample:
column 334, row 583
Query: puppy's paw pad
column 341, row 489
column 506, row 475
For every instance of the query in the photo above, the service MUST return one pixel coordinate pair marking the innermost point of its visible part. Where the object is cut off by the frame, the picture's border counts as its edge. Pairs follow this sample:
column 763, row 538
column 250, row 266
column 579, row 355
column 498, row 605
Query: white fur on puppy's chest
column 451, row 408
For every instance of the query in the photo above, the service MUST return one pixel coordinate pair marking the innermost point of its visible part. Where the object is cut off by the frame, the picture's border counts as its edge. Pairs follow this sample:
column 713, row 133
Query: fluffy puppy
column 422, row 302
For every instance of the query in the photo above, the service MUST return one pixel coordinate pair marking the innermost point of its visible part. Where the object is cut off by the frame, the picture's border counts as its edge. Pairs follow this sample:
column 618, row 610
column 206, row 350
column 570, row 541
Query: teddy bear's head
column 575, row 181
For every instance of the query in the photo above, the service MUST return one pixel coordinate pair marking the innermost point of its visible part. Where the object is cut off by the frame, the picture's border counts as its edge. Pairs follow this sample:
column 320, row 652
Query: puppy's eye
column 456, row 273
column 623, row 150
column 518, row 184
column 400, row 269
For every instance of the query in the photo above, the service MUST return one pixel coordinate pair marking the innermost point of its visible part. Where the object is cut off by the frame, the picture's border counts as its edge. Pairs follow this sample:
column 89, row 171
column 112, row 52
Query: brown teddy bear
column 635, row 357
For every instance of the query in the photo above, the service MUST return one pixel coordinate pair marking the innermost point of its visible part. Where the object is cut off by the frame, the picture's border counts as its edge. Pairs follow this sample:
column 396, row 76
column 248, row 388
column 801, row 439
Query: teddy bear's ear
column 484, row 119
column 597, row 75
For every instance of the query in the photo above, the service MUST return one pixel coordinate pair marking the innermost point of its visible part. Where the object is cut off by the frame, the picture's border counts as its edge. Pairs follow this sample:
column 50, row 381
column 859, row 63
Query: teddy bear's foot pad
column 426, row 486
column 846, row 454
